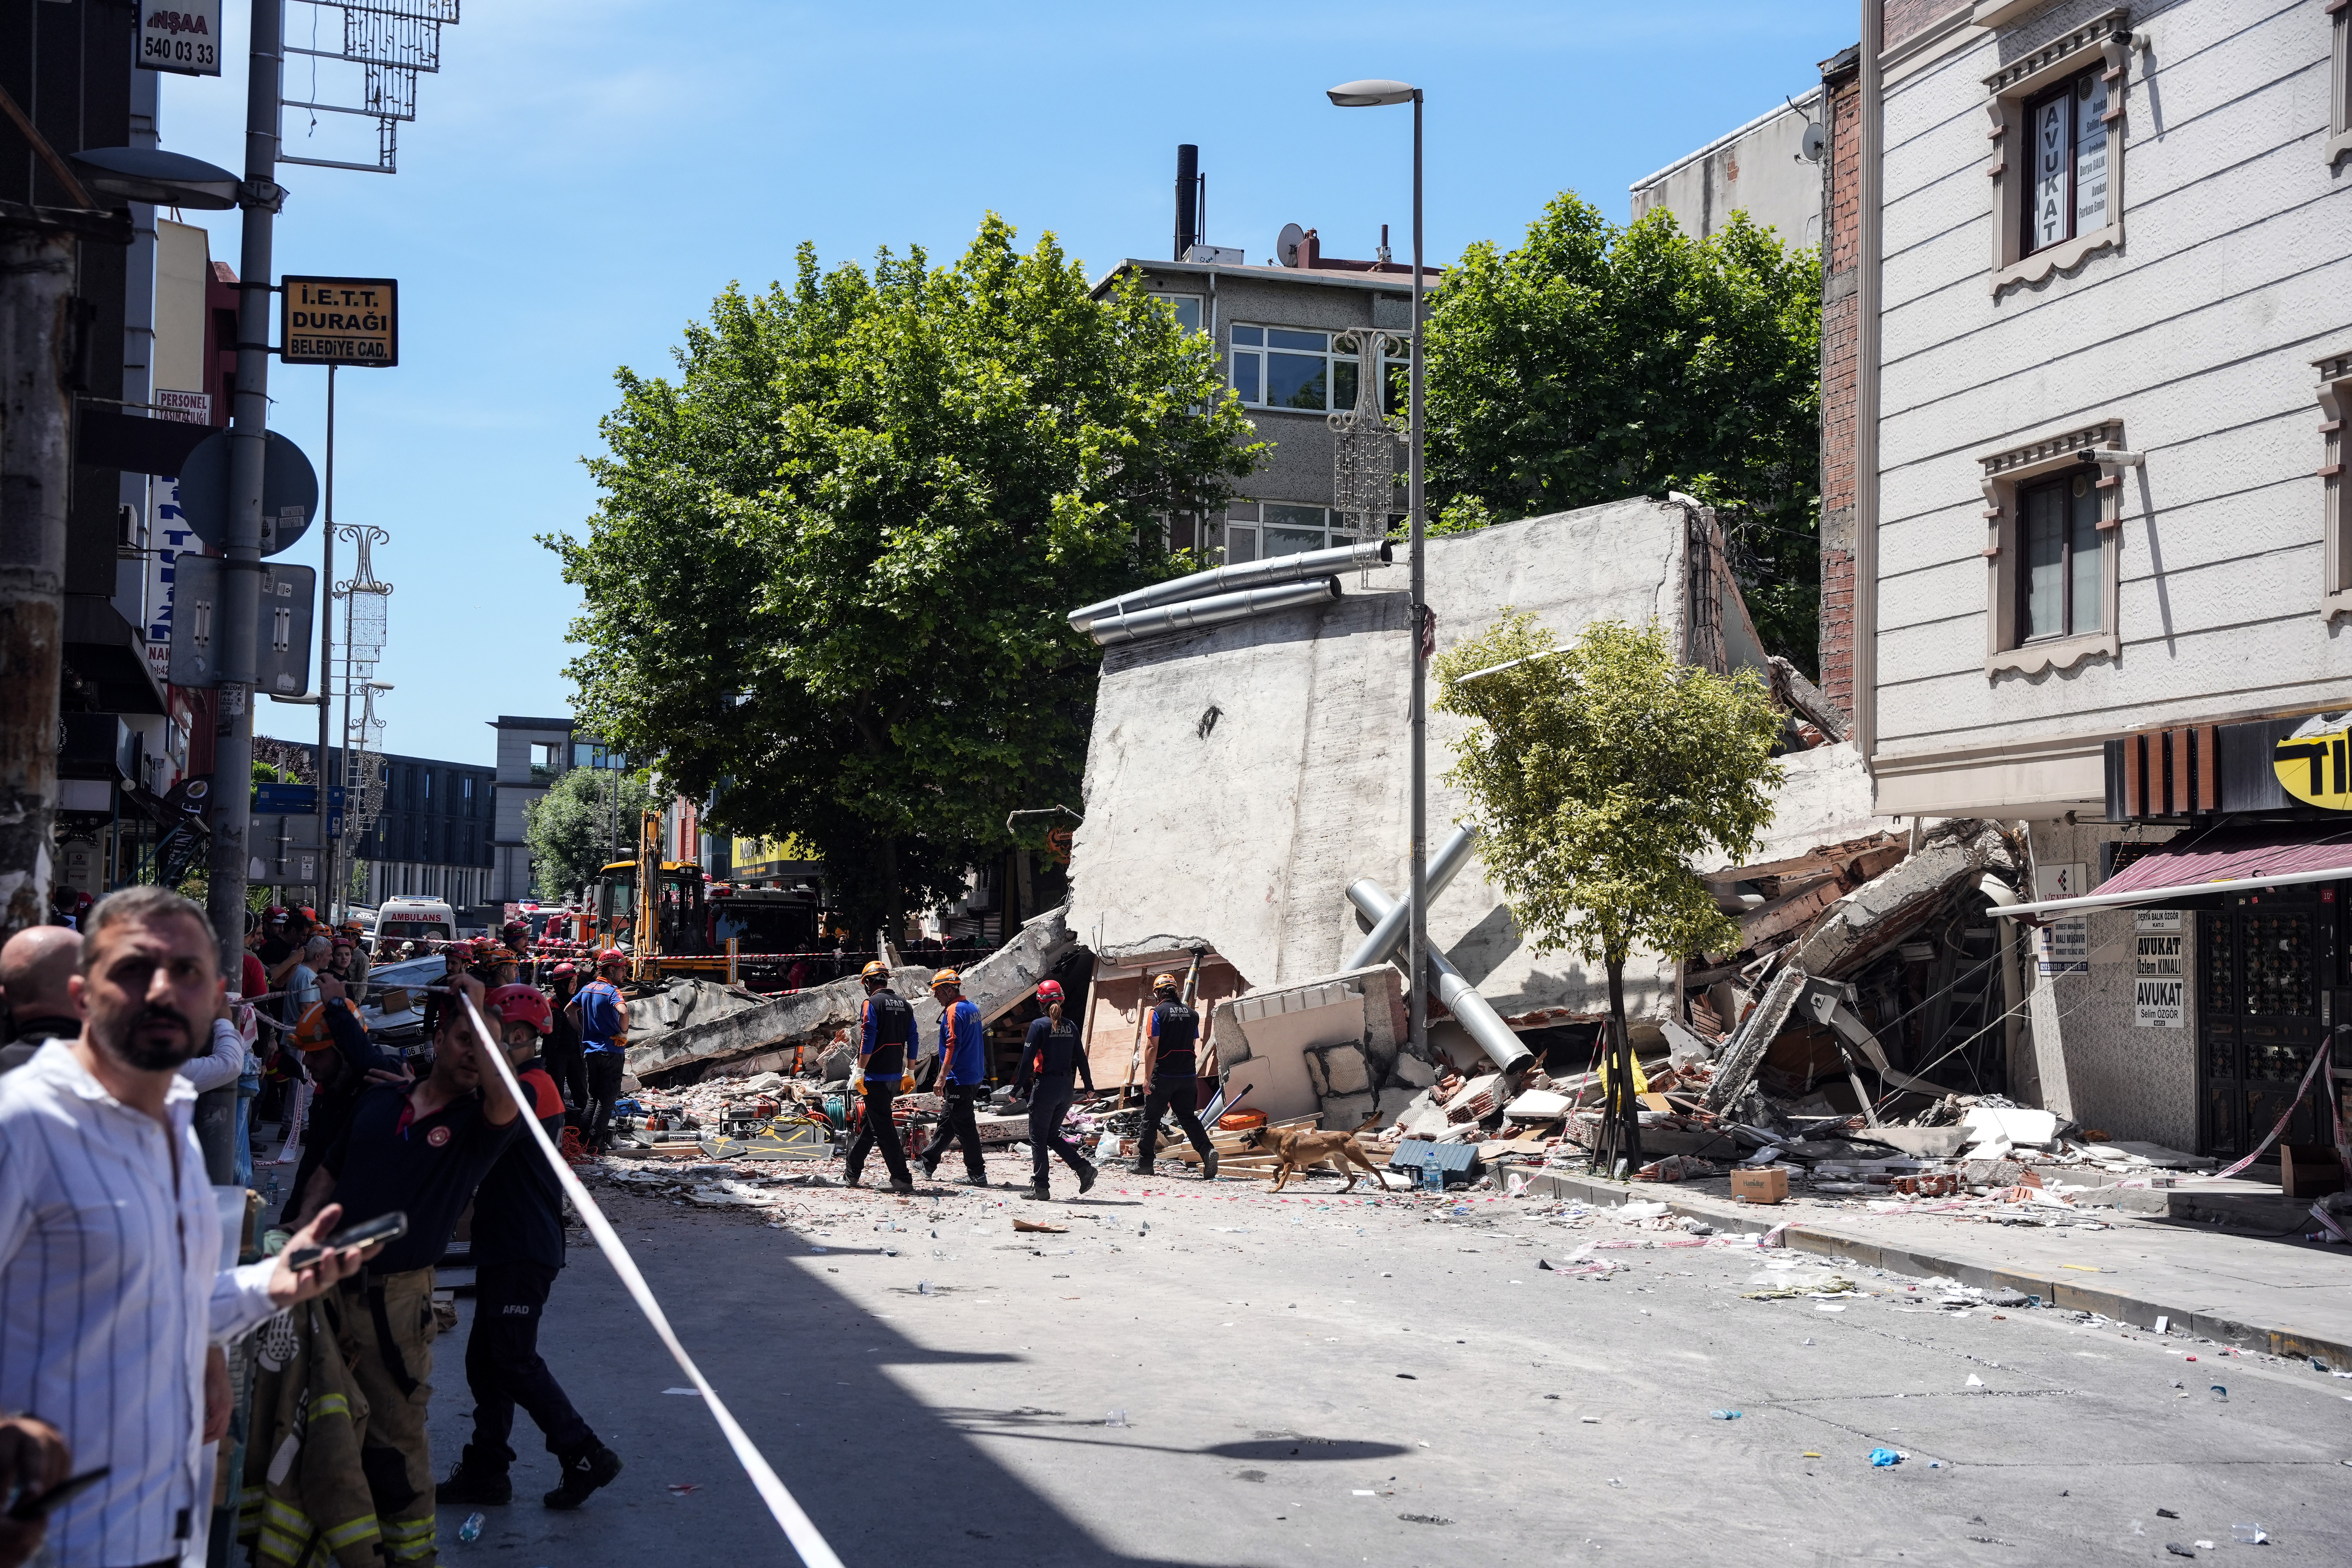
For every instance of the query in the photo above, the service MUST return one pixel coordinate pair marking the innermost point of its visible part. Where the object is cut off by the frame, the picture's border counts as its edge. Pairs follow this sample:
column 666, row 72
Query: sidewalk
column 2285, row 1297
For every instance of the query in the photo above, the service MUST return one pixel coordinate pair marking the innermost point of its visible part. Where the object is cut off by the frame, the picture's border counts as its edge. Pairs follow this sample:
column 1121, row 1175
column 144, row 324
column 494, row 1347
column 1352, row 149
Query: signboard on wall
column 2159, row 970
column 2315, row 762
column 182, row 35
column 341, row 320
column 2063, row 946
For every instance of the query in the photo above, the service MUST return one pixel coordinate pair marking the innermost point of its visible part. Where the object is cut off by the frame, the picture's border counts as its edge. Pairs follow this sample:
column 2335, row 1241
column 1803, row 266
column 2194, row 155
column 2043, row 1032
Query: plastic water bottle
column 472, row 1529
column 1433, row 1175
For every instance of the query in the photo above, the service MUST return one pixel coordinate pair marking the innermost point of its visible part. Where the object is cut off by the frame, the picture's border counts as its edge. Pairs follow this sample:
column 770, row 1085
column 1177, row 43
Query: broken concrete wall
column 1824, row 799
column 1239, row 778
column 771, row 1030
column 1325, row 1047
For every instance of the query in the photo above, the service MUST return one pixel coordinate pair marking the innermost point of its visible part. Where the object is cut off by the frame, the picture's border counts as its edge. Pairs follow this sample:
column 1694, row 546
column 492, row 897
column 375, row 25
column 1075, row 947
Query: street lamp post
column 1368, row 95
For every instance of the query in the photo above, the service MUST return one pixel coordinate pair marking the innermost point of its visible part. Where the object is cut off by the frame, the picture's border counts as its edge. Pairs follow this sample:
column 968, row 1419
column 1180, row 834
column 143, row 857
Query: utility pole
column 260, row 197
column 36, row 270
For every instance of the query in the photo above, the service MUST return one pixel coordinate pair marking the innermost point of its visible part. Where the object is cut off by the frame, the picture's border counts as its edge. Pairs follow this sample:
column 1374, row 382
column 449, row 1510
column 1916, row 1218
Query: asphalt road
column 1198, row 1375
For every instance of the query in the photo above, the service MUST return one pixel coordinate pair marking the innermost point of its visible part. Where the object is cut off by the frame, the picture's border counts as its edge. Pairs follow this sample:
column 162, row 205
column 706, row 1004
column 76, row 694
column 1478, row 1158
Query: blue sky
column 582, row 178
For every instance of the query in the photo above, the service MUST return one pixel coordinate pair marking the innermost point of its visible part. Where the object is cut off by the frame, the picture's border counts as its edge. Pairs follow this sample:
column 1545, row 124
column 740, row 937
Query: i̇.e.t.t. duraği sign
column 341, row 320
column 2315, row 762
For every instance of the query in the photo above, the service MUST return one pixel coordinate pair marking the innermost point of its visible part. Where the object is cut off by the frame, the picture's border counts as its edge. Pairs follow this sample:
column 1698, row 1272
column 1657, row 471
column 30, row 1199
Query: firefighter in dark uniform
column 886, row 1036
column 1170, row 1068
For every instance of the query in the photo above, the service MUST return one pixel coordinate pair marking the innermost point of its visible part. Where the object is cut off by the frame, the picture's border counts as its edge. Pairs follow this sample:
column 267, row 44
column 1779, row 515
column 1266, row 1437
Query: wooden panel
column 2208, row 786
column 2134, row 775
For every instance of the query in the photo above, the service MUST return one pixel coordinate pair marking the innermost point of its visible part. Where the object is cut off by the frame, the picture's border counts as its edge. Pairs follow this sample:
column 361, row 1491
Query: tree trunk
column 1625, row 1111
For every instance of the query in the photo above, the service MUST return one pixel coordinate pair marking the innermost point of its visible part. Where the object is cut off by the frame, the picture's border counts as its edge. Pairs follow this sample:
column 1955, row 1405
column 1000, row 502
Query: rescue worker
column 602, row 1015
column 342, row 1064
column 517, row 1247
column 1052, row 1058
column 441, row 1002
column 421, row 1150
column 963, row 1071
column 885, row 1035
column 565, row 1063
column 1170, row 1068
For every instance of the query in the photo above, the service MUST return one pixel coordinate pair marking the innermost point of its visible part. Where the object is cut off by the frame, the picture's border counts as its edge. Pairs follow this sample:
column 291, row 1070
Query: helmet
column 875, row 970
column 312, row 1034
column 565, row 968
column 274, row 912
column 1049, row 992
column 949, row 977
column 611, row 955
column 1164, row 983
column 498, row 954
column 522, row 1004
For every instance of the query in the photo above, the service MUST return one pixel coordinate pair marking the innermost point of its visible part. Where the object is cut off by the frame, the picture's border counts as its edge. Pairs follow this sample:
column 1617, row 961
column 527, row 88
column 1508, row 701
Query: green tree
column 1597, row 771
column 827, row 582
column 1596, row 362
column 586, row 820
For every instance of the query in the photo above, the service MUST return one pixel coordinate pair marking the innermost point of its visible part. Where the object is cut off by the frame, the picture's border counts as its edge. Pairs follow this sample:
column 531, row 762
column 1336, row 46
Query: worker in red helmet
column 963, row 1075
column 518, row 1249
column 601, row 1014
column 562, row 1051
column 1053, row 1062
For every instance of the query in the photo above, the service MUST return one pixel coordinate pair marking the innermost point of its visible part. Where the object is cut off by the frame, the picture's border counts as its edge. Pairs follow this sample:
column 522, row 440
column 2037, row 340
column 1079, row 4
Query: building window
column 466, row 785
column 2059, row 583
column 1314, row 372
column 1187, row 307
column 2053, row 550
column 2340, row 86
column 2335, row 553
column 2057, row 135
column 2068, row 191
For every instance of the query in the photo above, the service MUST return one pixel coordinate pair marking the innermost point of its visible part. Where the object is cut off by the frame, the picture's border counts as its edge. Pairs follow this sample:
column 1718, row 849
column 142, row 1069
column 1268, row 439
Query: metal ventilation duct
column 1227, row 579
column 1385, row 936
column 1470, row 1010
column 1194, row 615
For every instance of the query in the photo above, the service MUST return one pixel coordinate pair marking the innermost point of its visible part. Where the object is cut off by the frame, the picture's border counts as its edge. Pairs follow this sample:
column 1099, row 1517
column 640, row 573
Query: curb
column 2277, row 1340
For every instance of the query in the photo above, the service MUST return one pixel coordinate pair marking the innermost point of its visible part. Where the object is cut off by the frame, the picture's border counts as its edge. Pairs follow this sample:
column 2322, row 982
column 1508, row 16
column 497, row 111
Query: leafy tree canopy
column 586, row 820
column 1596, row 362
column 827, row 582
column 1598, row 772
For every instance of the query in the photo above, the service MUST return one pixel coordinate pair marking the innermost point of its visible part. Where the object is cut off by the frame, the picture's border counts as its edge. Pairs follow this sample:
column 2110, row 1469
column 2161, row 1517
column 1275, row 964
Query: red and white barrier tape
column 2319, row 1062
column 798, row 1527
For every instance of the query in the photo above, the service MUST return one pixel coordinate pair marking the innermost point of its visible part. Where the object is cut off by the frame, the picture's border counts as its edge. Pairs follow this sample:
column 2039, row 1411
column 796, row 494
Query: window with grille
column 2067, row 194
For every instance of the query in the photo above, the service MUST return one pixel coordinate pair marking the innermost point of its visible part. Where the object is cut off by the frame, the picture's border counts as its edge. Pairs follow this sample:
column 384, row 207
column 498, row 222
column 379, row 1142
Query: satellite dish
column 1286, row 247
column 1816, row 142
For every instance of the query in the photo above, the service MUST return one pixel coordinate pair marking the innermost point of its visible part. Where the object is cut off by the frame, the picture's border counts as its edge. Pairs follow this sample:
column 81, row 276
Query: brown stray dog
column 1300, row 1149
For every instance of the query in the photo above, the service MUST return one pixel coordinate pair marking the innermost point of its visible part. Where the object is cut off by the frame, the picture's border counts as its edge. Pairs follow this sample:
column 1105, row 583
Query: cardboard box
column 1759, row 1185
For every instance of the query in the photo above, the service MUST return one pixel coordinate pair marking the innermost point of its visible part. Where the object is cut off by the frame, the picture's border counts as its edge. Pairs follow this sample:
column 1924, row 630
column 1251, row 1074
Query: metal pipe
column 1471, row 1011
column 1194, row 615
column 1382, row 941
column 1248, row 574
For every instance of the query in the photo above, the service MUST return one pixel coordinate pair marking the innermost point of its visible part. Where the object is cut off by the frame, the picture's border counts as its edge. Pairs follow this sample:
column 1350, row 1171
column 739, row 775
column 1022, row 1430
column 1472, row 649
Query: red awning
column 2200, row 863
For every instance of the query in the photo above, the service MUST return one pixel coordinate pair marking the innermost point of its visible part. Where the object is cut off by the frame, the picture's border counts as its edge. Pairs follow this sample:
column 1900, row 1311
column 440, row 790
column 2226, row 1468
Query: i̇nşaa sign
column 341, row 320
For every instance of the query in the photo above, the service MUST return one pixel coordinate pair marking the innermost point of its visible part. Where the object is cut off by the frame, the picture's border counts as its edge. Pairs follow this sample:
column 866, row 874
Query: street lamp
column 1371, row 95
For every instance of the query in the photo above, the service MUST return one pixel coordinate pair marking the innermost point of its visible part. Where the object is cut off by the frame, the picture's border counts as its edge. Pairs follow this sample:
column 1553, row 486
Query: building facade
column 1769, row 168
column 1291, row 336
column 2098, row 551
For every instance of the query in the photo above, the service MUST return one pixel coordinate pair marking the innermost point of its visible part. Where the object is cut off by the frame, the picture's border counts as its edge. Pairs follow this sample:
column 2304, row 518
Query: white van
column 411, row 919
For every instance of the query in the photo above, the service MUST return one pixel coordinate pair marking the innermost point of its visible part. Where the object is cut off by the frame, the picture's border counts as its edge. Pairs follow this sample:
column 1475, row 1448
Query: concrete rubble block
column 1475, row 1100
column 1411, row 1070
column 1538, row 1105
column 1429, row 1122
column 1263, row 1037
column 1347, row 1112
column 1397, row 1101
column 2023, row 1129
column 1339, row 1070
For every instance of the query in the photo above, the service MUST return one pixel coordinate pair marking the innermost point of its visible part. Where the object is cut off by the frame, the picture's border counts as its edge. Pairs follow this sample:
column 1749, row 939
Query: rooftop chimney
column 1187, row 187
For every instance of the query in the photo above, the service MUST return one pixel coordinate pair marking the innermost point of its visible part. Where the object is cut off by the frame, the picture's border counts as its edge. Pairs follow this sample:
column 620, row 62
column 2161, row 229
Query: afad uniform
column 887, row 1028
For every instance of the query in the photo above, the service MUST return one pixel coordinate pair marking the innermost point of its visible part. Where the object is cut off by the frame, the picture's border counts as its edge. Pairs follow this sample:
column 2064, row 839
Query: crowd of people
column 115, row 1029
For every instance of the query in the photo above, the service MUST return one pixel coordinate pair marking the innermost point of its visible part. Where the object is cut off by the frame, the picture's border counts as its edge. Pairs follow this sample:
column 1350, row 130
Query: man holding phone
column 419, row 1150
column 110, row 1284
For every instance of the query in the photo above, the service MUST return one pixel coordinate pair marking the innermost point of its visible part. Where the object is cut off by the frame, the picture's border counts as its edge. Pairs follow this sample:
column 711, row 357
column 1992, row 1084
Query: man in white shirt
column 110, row 1284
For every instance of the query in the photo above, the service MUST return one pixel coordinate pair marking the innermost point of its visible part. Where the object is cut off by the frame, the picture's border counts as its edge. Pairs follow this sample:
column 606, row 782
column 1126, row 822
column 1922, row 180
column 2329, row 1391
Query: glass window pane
column 1295, row 380
column 1283, row 338
column 2090, row 154
column 1282, row 514
column 1399, row 399
column 1343, row 384
column 2050, row 155
column 2086, row 568
column 1241, row 545
column 1253, row 335
column 1292, row 541
column 2044, row 526
column 1245, row 367
column 1187, row 310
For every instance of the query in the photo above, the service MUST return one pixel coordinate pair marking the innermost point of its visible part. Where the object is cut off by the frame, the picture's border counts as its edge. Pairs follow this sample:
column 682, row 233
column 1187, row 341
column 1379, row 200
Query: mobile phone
column 383, row 1227
column 36, row 1505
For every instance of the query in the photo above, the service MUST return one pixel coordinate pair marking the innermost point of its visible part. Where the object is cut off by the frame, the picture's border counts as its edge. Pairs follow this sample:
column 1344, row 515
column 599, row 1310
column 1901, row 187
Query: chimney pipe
column 1188, row 185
